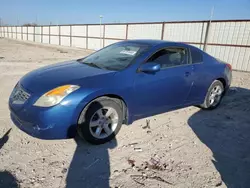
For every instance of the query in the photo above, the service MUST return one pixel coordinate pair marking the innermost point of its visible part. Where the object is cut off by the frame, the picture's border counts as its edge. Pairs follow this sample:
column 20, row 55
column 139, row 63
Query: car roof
column 153, row 42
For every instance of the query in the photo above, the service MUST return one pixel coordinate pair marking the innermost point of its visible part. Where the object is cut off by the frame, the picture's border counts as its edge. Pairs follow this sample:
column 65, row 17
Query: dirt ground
column 184, row 148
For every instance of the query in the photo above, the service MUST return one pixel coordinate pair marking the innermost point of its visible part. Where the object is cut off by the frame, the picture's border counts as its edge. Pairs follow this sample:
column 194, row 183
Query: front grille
column 19, row 96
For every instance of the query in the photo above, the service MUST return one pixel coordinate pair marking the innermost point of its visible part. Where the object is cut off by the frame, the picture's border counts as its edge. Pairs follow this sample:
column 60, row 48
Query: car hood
column 70, row 72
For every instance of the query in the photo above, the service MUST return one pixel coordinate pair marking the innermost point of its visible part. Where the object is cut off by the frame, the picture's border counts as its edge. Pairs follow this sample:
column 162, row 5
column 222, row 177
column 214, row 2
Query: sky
column 16, row 12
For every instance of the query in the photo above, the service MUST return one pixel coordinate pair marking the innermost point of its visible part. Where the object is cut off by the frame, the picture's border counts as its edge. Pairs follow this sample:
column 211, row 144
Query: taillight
column 229, row 66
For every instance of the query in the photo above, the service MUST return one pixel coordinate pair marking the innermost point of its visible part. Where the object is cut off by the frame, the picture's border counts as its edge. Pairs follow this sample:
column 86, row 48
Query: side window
column 170, row 57
column 197, row 56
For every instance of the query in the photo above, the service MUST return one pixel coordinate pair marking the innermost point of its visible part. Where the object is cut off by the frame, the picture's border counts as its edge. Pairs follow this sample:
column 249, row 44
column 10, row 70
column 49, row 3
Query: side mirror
column 150, row 67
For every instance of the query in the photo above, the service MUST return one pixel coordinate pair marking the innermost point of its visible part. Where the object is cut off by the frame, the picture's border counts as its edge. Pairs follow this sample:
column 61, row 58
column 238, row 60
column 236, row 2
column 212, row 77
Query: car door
column 166, row 89
column 201, row 76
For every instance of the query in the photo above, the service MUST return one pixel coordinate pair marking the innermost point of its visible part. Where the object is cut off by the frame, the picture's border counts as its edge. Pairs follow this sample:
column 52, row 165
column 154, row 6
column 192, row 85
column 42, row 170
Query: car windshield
column 115, row 57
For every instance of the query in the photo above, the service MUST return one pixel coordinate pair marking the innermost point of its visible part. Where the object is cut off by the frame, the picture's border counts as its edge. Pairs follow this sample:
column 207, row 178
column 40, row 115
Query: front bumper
column 57, row 122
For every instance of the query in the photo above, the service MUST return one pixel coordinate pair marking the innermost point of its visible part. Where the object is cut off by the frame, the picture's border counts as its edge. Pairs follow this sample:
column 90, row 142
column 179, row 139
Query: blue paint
column 144, row 94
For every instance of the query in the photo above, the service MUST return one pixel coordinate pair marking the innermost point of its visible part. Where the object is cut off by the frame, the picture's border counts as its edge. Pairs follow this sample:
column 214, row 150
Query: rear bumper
column 229, row 75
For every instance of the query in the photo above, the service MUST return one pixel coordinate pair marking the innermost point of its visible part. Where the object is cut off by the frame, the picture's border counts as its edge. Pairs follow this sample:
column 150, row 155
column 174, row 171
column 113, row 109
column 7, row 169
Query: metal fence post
column 34, row 34
column 70, row 35
column 27, row 33
column 202, row 32
column 162, row 30
column 11, row 33
column 22, row 32
column 87, row 30
column 59, row 28
column 49, row 34
column 16, row 32
column 126, row 31
column 103, row 36
column 41, row 34
column 206, row 37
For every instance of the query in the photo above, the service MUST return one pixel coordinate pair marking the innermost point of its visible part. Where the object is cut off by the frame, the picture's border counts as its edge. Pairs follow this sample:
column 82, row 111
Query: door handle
column 187, row 73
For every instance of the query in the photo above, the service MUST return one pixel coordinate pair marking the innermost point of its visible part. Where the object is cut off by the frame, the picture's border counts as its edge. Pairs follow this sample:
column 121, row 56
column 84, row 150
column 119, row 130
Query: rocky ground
column 183, row 148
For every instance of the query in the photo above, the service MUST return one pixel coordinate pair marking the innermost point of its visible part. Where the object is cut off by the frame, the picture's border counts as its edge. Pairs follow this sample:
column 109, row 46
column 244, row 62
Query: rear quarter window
column 197, row 56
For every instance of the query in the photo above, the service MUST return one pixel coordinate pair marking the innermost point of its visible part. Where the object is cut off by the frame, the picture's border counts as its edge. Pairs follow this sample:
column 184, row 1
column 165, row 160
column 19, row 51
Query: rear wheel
column 100, row 121
column 213, row 96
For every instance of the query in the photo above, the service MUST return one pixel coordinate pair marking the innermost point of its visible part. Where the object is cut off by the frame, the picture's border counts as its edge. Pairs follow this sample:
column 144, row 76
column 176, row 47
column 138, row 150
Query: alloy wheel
column 103, row 122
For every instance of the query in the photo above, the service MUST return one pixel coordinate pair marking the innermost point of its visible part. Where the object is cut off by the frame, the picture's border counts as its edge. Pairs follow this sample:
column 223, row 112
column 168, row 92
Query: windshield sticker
column 128, row 52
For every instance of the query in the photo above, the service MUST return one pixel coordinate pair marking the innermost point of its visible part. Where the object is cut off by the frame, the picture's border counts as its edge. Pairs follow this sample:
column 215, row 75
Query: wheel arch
column 223, row 81
column 119, row 99
column 125, row 110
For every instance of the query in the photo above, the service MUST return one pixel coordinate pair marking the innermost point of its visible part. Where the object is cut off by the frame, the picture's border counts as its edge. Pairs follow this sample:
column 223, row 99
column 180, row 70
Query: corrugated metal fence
column 228, row 40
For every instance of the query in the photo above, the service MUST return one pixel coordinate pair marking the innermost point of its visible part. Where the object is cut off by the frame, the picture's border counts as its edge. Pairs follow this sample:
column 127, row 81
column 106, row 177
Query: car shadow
column 226, row 131
column 4, row 139
column 7, row 180
column 90, row 165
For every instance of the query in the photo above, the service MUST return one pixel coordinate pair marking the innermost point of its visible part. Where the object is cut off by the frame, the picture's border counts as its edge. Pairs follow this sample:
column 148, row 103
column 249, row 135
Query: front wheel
column 100, row 121
column 213, row 96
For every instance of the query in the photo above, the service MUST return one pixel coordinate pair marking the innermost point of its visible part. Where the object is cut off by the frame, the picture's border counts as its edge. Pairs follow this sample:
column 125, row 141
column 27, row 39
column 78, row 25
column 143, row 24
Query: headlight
column 55, row 96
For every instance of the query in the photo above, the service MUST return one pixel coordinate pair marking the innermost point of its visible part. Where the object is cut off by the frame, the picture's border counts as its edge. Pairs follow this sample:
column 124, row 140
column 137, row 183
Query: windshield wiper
column 93, row 65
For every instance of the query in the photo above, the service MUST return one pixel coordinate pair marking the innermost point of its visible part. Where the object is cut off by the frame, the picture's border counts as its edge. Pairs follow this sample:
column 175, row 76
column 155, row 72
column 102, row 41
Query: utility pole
column 101, row 31
column 1, row 30
column 208, row 29
column 212, row 14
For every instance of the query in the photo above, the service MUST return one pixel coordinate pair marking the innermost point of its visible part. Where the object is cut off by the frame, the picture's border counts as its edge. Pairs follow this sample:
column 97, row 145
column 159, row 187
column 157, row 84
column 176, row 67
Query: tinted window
column 197, row 56
column 170, row 57
column 115, row 57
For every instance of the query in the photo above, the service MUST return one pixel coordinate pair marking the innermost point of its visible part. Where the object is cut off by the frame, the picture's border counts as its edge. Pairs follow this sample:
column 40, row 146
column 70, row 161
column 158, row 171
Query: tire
column 207, row 102
column 94, row 119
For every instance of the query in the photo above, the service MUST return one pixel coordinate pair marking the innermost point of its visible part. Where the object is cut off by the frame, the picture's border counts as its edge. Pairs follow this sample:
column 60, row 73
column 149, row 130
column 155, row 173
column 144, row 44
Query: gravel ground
column 183, row 148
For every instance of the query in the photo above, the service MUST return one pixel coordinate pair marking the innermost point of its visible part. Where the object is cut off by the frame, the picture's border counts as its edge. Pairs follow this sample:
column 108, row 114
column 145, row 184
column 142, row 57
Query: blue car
column 116, row 85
